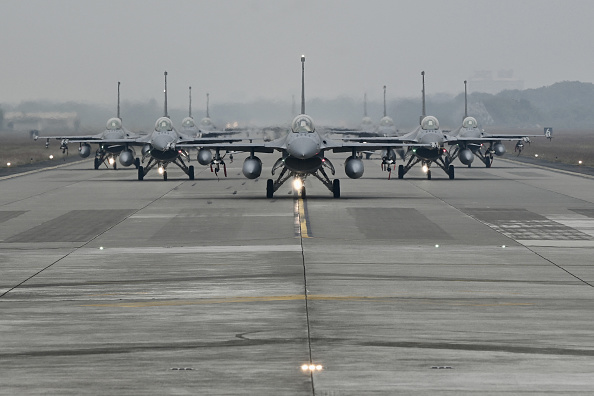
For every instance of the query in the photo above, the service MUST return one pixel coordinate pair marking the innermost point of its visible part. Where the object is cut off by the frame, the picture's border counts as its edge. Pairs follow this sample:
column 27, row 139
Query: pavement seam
column 300, row 202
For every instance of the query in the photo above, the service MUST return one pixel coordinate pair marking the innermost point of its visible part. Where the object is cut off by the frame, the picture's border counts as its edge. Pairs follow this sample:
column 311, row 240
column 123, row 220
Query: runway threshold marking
column 302, row 225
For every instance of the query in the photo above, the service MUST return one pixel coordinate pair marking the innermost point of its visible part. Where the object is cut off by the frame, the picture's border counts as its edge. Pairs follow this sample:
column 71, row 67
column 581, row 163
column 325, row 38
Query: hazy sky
column 242, row 50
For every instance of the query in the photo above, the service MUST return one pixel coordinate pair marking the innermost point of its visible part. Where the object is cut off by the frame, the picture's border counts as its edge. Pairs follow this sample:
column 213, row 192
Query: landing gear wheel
column 191, row 172
column 470, row 165
column 303, row 192
column 140, row 173
column 429, row 175
column 164, row 175
column 269, row 188
column 451, row 172
column 137, row 162
column 96, row 165
column 336, row 188
column 401, row 171
column 115, row 165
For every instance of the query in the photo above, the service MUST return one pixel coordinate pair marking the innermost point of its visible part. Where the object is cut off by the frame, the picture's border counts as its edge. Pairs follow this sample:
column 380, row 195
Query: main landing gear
column 443, row 164
column 162, row 166
column 333, row 185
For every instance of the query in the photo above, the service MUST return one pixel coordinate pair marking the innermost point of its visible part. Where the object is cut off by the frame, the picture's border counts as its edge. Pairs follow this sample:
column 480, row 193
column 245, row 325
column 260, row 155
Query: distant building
column 483, row 81
column 42, row 121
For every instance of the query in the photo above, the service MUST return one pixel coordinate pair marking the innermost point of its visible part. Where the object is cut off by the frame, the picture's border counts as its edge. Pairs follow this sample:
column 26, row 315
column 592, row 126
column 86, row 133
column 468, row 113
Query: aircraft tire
column 115, row 165
column 96, row 164
column 141, row 173
column 137, row 162
column 269, row 188
column 191, row 172
column 429, row 174
column 164, row 175
column 451, row 172
column 336, row 188
column 401, row 171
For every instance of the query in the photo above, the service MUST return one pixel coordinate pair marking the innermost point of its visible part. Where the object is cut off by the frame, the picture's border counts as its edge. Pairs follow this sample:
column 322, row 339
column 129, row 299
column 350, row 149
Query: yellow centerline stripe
column 303, row 219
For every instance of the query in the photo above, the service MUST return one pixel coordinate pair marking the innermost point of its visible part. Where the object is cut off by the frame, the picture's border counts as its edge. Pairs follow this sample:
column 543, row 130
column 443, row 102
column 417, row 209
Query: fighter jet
column 116, row 141
column 302, row 153
column 471, row 141
column 189, row 127
column 425, row 144
column 162, row 148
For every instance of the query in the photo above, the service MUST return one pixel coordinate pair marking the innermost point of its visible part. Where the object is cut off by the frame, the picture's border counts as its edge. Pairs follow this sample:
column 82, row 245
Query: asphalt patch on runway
column 10, row 214
column 521, row 224
column 74, row 226
column 396, row 223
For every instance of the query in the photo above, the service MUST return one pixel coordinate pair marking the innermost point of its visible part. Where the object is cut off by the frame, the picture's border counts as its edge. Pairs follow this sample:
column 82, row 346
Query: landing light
column 297, row 184
column 436, row 246
column 8, row 164
column 111, row 161
column 161, row 170
column 51, row 156
column 425, row 168
column 580, row 162
column 536, row 155
column 311, row 367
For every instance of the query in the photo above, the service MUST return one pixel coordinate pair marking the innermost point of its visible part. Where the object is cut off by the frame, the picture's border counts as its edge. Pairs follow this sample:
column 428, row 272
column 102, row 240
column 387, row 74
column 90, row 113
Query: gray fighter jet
column 116, row 141
column 162, row 146
column 302, row 153
column 471, row 141
column 425, row 145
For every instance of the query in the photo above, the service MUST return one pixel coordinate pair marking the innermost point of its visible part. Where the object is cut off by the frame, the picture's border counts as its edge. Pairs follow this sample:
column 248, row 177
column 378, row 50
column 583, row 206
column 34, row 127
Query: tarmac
column 479, row 285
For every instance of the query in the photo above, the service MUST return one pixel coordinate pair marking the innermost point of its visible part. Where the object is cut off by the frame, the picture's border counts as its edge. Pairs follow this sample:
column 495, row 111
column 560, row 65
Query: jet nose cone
column 431, row 138
column 162, row 142
column 303, row 148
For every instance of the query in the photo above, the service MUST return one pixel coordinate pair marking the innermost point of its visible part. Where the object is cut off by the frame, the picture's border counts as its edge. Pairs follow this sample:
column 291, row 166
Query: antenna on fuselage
column 165, row 91
column 302, row 84
column 119, row 101
column 190, row 106
column 207, row 100
column 465, row 101
column 423, row 91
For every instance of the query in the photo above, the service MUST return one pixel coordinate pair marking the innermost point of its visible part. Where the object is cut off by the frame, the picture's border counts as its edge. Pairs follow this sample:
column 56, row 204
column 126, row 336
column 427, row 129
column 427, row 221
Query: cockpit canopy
column 430, row 123
column 188, row 122
column 206, row 122
column 163, row 124
column 386, row 122
column 469, row 122
column 302, row 123
column 114, row 124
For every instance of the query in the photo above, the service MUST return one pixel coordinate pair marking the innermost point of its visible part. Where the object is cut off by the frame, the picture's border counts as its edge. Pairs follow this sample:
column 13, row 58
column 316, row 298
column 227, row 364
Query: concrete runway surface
column 478, row 285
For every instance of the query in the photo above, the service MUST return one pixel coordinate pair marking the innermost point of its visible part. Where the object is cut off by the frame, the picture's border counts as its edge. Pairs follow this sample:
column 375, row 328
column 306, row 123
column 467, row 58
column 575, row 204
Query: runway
column 479, row 285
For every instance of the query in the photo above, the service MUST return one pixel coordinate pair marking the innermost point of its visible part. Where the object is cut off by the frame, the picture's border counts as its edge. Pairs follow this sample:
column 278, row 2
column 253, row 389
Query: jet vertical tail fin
column 207, row 103
column 302, row 84
column 465, row 101
column 190, row 105
column 423, row 91
column 385, row 101
column 165, row 91
column 119, row 101
column 365, row 105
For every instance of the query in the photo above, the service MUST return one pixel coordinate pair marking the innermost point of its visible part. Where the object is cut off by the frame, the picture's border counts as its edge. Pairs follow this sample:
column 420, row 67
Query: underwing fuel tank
column 84, row 150
column 466, row 156
column 499, row 149
column 126, row 158
column 353, row 167
column 252, row 167
column 204, row 156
